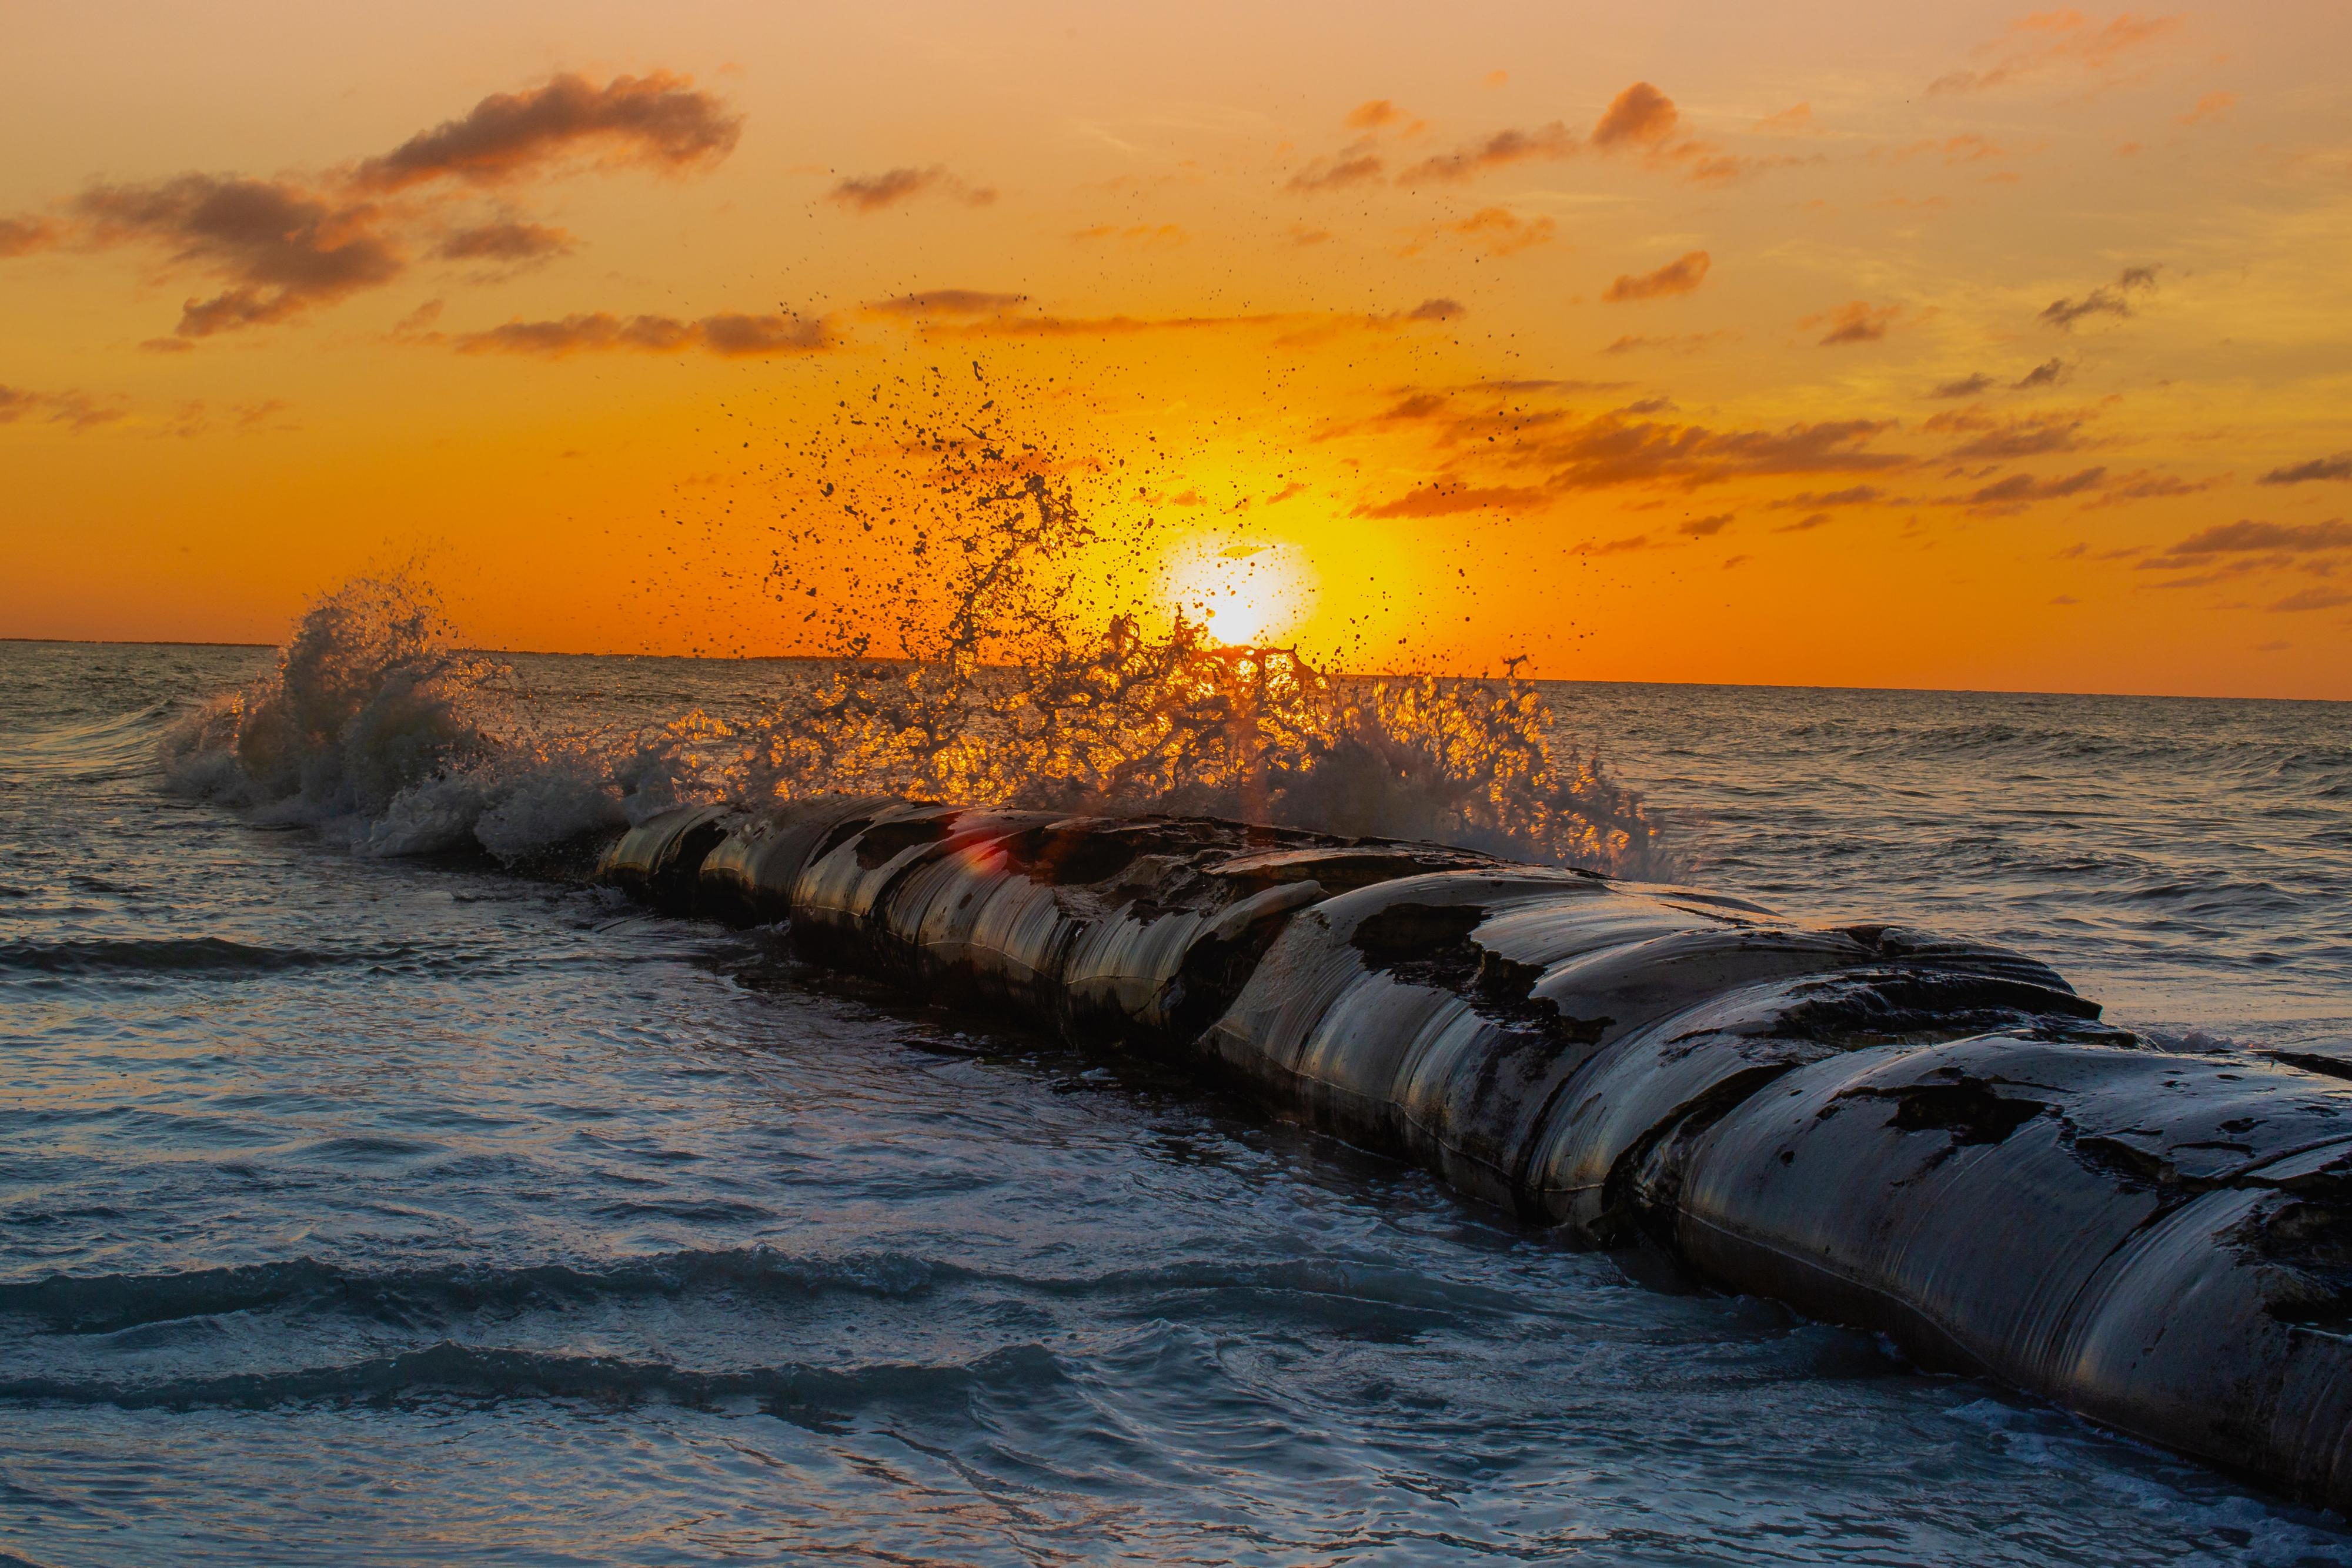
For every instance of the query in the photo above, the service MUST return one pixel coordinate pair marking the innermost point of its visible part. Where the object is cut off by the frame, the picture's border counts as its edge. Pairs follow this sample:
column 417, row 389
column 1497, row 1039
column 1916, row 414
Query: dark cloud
column 1673, row 342
column 22, row 236
column 1613, row 547
column 74, row 410
column 1640, row 116
column 1680, row 276
column 1975, row 385
column 1499, row 151
column 281, row 249
column 283, row 246
column 2001, row 437
column 2048, row 373
column 1705, row 527
column 1612, row 450
column 1438, row 309
column 2337, row 467
column 2019, row 490
column 2108, row 300
column 949, row 302
column 873, row 193
column 1448, row 498
column 507, row 240
column 1803, row 525
column 2147, row 485
column 1352, row 167
column 729, row 334
column 2313, row 598
column 1858, row 322
column 1499, row 232
column 658, row 120
column 2249, row 537
column 1812, row 500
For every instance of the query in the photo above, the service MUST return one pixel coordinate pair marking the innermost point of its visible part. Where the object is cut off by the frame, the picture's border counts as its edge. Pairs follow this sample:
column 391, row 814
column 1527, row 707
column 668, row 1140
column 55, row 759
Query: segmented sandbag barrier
column 1931, row 1138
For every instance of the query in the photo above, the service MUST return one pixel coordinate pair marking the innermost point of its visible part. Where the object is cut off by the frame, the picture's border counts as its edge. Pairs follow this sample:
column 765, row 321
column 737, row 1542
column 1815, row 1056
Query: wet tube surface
column 1933, row 1139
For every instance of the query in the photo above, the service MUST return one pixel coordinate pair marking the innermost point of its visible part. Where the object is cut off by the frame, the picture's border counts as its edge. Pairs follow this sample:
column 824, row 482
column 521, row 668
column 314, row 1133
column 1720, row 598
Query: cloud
column 22, row 236
column 1859, row 322
column 1447, row 497
column 1499, row 151
column 507, row 240
column 1965, row 148
column 1796, row 117
column 2108, row 300
column 283, row 246
column 76, row 411
column 1705, row 527
column 2048, row 43
column 2213, row 106
column 1673, row 342
column 659, row 120
column 1974, row 386
column 2249, row 537
column 1680, row 276
column 1613, row 547
column 873, row 193
column 2021, row 490
column 1640, row 116
column 729, row 334
column 1437, row 309
column 2147, row 485
column 1499, row 232
column 1803, row 525
column 1350, row 166
column 2000, row 437
column 2048, row 373
column 2337, row 467
column 1134, row 233
column 1340, row 170
column 2312, row 599
column 1809, row 500
column 949, row 302
column 1612, row 450
column 1376, row 114
column 281, row 249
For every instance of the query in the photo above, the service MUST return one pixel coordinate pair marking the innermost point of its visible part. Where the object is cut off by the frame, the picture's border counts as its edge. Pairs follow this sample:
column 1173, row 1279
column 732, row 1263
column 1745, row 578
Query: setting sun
column 1244, row 592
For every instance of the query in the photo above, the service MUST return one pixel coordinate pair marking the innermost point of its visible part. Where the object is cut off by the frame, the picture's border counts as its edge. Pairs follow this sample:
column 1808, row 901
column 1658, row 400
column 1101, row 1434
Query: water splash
column 1001, row 687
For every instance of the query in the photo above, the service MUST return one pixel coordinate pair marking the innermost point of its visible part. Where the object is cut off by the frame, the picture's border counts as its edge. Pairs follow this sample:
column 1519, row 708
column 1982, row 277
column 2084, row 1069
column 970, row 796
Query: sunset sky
column 1823, row 343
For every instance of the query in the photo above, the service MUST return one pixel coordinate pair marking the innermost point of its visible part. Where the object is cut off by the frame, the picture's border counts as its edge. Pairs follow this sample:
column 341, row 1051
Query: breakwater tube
column 1933, row 1139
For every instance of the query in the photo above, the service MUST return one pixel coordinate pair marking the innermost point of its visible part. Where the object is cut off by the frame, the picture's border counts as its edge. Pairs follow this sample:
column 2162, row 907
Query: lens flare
column 1244, row 592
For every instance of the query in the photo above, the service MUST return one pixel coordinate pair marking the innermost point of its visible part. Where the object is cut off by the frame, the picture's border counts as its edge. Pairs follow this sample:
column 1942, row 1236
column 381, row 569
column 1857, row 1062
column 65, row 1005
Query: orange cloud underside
column 1786, row 348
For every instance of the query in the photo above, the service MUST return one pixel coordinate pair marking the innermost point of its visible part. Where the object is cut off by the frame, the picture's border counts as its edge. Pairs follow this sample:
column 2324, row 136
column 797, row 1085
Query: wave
column 159, row 955
column 109, row 1304
column 496, row 1375
column 376, row 727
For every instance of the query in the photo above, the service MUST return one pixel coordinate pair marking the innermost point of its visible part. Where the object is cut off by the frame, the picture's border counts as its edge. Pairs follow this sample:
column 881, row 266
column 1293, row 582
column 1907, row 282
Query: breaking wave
column 377, row 726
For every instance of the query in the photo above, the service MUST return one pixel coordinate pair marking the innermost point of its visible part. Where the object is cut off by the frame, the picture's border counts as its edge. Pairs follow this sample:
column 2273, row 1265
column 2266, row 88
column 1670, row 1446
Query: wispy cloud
column 1858, row 322
column 893, row 187
column 729, row 334
column 2061, row 44
column 2108, row 300
column 1500, row 150
column 2337, row 467
column 660, row 120
column 1680, row 276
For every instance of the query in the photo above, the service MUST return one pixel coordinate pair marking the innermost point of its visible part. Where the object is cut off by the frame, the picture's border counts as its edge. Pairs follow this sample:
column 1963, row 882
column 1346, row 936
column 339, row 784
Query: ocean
column 366, row 1210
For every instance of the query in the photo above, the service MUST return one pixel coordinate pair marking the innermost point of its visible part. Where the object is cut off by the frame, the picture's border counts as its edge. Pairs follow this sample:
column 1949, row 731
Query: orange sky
column 1825, row 343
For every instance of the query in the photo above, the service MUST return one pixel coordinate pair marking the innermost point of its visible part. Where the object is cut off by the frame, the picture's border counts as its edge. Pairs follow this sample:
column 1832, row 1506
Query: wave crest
column 376, row 723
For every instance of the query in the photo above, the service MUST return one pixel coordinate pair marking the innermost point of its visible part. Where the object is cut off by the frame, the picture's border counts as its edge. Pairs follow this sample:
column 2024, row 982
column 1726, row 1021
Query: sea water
column 367, row 1209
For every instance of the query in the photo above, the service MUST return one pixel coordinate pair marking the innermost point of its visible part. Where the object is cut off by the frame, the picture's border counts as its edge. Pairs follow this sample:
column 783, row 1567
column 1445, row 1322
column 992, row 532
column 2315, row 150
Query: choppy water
column 360, row 1211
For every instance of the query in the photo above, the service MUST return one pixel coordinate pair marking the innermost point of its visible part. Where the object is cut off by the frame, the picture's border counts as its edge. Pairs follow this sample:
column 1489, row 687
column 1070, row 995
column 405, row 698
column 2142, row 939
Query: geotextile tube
column 1931, row 1138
